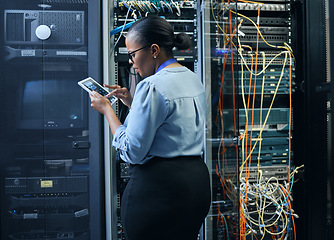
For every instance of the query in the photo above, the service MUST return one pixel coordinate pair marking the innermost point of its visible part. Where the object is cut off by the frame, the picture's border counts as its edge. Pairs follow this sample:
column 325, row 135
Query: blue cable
column 290, row 219
column 118, row 29
column 292, row 180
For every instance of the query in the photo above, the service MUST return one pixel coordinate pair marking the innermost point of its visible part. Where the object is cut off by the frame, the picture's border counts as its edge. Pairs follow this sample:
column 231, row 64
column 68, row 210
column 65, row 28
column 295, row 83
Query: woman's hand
column 100, row 103
column 122, row 93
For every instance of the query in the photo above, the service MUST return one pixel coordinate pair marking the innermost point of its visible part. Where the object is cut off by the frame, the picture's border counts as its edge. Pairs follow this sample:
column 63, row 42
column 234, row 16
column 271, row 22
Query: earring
column 154, row 56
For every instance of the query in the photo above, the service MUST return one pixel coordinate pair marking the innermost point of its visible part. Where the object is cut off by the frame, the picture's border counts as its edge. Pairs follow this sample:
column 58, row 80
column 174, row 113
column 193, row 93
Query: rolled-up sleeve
column 149, row 109
column 119, row 135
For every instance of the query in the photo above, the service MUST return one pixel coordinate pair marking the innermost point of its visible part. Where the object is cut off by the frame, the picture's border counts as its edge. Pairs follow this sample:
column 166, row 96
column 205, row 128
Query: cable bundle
column 142, row 8
column 265, row 207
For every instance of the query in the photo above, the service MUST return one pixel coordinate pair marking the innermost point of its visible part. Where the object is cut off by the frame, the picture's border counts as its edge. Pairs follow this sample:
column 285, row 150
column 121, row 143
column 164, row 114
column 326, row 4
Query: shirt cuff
column 119, row 138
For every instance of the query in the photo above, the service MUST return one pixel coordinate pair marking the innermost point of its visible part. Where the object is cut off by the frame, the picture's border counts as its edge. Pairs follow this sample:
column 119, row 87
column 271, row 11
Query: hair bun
column 182, row 41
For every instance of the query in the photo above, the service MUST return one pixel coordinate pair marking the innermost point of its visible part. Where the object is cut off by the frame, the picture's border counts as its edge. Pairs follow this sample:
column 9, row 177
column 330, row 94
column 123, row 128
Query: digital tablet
column 90, row 85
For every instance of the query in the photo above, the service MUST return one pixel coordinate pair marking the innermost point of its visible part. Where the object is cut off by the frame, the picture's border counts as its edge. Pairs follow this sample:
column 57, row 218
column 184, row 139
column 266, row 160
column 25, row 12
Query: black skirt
column 166, row 198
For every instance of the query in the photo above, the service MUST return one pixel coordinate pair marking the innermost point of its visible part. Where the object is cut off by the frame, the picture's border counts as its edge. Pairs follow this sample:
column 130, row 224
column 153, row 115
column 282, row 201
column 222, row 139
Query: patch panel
column 278, row 119
column 266, row 21
column 272, row 7
column 264, row 173
column 274, row 58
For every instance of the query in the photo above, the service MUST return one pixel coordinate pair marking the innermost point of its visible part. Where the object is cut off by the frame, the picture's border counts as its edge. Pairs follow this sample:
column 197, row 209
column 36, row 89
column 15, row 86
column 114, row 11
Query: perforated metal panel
column 66, row 27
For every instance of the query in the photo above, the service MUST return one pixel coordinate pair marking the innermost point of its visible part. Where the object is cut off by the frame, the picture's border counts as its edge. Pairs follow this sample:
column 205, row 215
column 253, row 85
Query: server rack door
column 50, row 142
column 315, row 121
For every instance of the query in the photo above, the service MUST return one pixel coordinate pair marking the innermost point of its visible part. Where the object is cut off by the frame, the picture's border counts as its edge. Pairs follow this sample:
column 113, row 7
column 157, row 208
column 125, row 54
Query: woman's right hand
column 122, row 93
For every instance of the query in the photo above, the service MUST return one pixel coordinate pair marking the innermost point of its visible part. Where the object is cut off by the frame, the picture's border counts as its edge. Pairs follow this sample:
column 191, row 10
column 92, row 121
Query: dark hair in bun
column 156, row 30
column 182, row 41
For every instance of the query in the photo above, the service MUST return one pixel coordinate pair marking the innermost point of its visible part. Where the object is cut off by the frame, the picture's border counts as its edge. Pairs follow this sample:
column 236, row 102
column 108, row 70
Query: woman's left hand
column 100, row 103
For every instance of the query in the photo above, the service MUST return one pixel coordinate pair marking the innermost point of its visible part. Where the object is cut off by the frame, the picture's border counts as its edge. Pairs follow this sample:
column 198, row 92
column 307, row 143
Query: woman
column 168, row 195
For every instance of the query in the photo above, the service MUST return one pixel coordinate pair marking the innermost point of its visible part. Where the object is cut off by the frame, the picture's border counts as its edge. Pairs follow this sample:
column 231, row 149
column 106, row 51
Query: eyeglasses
column 131, row 54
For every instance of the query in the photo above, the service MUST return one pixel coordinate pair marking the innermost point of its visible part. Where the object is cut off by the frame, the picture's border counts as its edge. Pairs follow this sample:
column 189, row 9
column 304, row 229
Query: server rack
column 249, row 73
column 51, row 170
column 308, row 25
column 120, row 15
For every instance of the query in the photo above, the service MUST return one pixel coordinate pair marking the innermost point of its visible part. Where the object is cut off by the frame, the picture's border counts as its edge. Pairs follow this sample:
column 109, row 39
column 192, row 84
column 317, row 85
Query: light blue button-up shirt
column 166, row 118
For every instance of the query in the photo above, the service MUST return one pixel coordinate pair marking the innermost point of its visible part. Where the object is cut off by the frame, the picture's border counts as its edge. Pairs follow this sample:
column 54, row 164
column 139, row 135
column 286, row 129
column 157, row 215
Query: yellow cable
column 271, row 104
